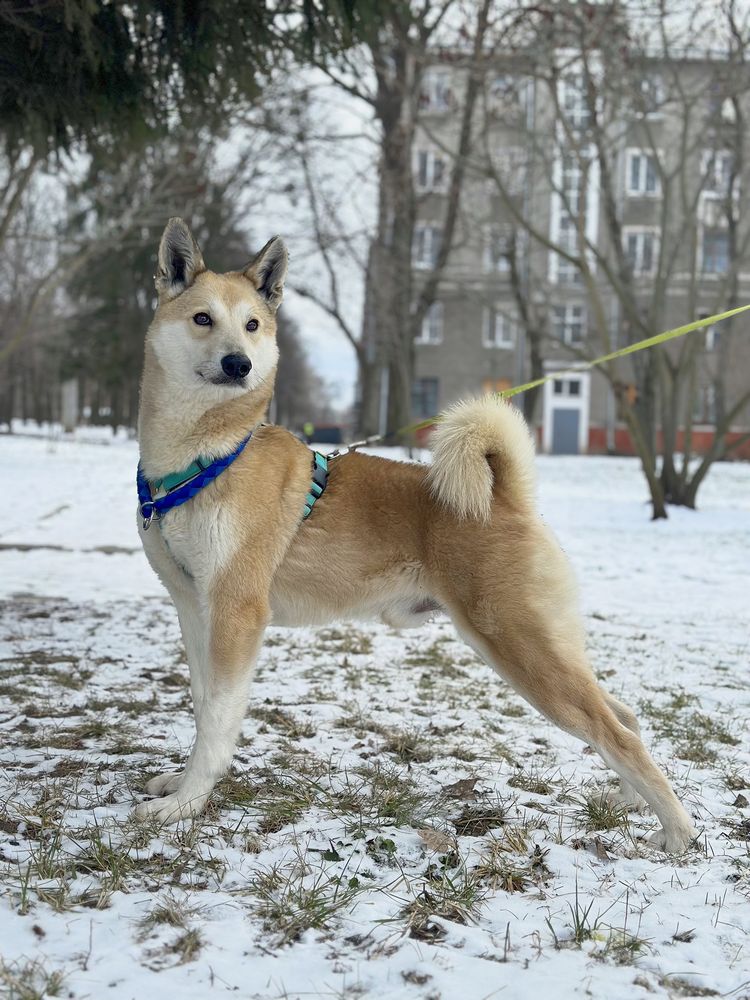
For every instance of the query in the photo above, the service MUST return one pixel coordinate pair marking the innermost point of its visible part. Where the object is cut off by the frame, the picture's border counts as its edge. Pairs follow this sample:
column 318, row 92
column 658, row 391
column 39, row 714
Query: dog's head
column 216, row 333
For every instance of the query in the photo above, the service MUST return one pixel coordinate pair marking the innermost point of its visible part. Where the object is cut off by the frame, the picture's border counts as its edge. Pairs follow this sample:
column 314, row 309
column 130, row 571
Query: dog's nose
column 236, row 366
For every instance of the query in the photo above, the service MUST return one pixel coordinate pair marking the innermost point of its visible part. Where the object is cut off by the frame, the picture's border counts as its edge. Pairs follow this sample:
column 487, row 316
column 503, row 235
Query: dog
column 388, row 540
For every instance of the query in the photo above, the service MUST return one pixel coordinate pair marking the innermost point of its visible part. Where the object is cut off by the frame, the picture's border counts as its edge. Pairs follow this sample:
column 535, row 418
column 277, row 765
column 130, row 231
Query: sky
column 342, row 154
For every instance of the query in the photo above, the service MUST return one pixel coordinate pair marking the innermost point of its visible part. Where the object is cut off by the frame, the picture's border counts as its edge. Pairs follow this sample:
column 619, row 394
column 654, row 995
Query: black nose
column 236, row 365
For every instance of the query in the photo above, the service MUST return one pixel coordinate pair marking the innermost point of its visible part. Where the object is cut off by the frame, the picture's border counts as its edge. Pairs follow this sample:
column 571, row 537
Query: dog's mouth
column 222, row 379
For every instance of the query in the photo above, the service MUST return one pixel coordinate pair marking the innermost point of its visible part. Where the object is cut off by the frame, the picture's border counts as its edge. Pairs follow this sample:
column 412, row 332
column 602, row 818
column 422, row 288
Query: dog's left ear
column 180, row 259
column 267, row 271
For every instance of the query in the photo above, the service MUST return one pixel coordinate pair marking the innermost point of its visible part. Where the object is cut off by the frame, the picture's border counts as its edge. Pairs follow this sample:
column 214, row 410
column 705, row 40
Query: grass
column 692, row 734
column 506, row 864
column 476, row 820
column 340, row 814
column 167, row 913
column 283, row 722
column 294, row 898
column 454, row 895
column 532, row 779
column 30, row 980
column 383, row 794
column 583, row 926
column 409, row 745
column 187, row 945
column 598, row 813
column 622, row 948
column 345, row 640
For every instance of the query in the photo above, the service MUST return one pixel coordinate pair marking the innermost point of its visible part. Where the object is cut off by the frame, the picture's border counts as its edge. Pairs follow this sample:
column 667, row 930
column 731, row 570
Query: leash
column 640, row 345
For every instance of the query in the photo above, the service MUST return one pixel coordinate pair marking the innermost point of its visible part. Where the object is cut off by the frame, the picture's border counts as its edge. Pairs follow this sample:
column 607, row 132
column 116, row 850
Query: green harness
column 177, row 485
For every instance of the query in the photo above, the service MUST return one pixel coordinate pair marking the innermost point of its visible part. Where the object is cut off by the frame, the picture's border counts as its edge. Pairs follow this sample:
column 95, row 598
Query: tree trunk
column 536, row 361
column 647, row 455
column 369, row 399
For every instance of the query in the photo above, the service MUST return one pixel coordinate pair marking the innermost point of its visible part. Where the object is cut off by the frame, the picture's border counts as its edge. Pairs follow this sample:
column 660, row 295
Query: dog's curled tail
column 482, row 448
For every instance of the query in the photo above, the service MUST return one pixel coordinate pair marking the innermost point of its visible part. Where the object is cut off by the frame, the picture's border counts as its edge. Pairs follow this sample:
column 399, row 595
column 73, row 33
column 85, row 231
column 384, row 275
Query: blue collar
column 180, row 487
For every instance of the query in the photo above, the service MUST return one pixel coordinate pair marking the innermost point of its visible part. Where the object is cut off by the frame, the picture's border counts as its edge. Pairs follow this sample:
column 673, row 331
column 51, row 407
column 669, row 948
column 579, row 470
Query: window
column 436, row 93
column 715, row 253
column 498, row 243
column 432, row 325
column 568, row 236
column 711, row 334
column 572, row 184
column 652, row 95
column 643, row 176
column 509, row 96
column 498, row 330
column 641, row 250
column 716, row 170
column 426, row 246
column 704, row 405
column 424, row 397
column 569, row 324
column 566, row 387
column 720, row 106
column 574, row 101
column 431, row 172
column 568, row 273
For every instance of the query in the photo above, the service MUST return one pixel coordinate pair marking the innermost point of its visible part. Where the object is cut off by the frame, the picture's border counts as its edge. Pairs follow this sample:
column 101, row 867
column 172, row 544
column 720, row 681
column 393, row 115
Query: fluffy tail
column 482, row 447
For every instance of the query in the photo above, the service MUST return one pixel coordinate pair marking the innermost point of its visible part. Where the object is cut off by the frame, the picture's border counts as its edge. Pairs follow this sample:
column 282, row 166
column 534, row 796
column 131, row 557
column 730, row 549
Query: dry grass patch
column 30, row 981
column 293, row 898
column 283, row 722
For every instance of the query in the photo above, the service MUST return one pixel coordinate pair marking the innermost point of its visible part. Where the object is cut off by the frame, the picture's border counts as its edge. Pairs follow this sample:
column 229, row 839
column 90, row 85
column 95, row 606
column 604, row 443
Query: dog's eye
column 252, row 325
column 202, row 319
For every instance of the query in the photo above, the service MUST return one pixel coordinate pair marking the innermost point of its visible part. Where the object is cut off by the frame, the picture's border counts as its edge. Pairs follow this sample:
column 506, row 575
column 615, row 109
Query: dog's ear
column 267, row 271
column 180, row 260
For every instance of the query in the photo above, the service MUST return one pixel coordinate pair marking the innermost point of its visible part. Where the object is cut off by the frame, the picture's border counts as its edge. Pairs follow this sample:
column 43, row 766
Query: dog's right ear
column 180, row 260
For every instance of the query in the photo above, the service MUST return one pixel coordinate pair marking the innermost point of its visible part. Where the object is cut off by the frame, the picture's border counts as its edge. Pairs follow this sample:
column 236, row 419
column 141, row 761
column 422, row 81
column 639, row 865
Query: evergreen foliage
column 89, row 70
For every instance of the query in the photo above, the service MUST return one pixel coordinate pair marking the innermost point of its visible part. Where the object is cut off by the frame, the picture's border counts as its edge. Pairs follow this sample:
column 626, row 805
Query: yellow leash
column 640, row 345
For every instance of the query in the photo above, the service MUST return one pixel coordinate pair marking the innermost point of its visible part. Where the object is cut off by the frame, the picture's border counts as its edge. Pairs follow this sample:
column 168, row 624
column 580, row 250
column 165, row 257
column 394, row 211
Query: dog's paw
column 164, row 784
column 627, row 799
column 171, row 808
column 676, row 841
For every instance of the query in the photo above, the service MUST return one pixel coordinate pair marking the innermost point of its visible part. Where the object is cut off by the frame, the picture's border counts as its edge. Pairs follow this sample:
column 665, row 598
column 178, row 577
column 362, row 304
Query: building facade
column 644, row 186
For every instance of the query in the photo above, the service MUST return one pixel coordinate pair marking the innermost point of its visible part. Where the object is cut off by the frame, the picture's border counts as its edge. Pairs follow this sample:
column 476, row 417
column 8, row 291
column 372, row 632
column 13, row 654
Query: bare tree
column 388, row 75
column 669, row 121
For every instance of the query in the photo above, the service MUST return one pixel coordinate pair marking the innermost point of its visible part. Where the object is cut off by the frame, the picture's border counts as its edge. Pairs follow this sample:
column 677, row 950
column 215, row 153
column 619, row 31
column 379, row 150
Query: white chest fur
column 201, row 539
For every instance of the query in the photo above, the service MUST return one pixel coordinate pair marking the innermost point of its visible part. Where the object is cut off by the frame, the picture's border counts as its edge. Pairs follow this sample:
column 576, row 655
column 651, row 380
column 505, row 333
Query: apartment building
column 673, row 183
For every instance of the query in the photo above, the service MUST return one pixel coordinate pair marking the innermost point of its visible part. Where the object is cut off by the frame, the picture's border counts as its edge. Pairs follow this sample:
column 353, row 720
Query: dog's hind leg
column 547, row 665
column 236, row 632
column 627, row 797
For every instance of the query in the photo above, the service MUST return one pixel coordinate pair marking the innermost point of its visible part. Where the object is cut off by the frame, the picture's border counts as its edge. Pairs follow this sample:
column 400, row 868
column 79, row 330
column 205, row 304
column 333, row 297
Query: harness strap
column 318, row 484
column 159, row 497
column 191, row 481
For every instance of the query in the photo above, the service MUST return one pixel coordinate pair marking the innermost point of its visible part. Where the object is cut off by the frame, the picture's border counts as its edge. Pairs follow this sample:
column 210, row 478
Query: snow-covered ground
column 397, row 823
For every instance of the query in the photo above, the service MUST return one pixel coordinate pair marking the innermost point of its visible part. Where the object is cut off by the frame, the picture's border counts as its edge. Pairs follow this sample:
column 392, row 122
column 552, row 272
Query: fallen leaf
column 598, row 848
column 436, row 840
column 463, row 789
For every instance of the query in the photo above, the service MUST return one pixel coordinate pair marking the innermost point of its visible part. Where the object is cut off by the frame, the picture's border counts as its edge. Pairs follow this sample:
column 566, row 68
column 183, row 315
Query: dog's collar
column 159, row 496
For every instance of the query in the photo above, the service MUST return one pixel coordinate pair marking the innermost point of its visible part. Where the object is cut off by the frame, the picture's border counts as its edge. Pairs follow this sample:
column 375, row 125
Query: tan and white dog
column 387, row 540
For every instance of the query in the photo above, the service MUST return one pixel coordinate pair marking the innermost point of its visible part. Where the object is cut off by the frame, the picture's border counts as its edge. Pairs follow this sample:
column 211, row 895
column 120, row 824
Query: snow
column 93, row 698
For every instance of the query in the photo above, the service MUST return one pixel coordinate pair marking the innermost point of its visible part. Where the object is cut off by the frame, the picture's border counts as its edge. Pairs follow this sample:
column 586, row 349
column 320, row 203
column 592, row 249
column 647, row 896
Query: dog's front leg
column 235, row 635
column 195, row 629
